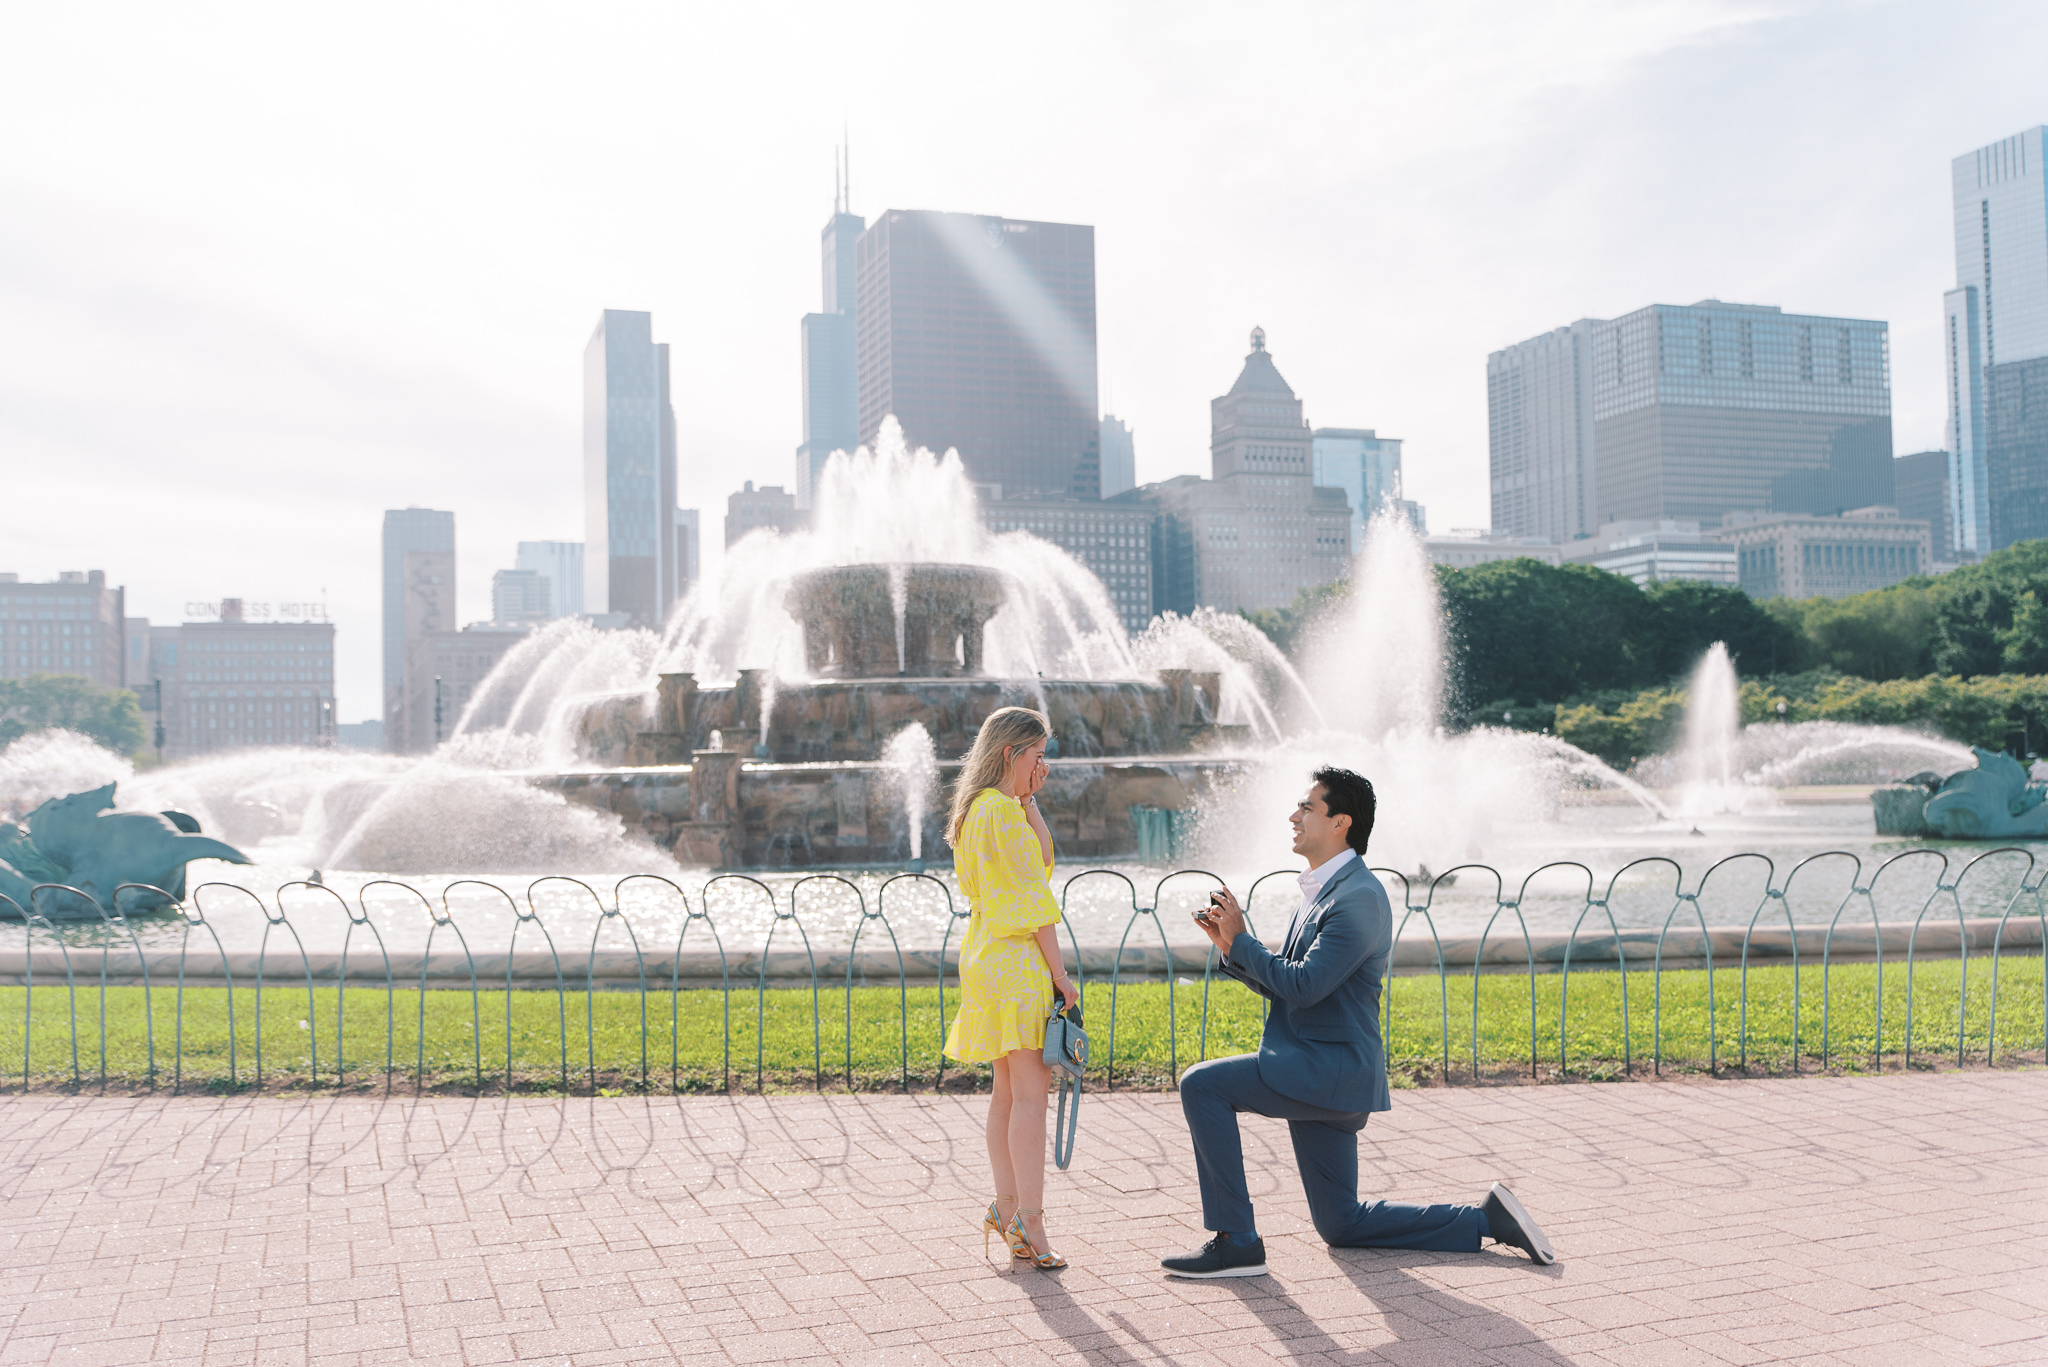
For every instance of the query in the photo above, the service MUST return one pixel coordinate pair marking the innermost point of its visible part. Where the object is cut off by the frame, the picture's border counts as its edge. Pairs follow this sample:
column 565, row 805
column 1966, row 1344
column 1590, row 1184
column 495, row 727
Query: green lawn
column 580, row 1040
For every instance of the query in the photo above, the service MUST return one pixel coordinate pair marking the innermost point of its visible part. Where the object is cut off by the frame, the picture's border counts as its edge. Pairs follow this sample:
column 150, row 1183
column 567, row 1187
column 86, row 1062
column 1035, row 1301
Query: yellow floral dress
column 1005, row 986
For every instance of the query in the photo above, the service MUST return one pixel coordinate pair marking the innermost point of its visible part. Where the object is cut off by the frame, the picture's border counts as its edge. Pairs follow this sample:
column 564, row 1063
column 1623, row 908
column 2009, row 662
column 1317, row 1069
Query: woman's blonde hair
column 1007, row 728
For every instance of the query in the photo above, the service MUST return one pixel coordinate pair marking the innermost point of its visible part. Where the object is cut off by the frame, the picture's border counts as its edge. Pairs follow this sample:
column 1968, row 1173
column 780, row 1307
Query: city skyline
column 268, row 365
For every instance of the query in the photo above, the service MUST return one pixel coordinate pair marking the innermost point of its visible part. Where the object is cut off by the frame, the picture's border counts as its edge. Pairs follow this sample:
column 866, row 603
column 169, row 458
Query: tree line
column 47, row 702
column 1534, row 642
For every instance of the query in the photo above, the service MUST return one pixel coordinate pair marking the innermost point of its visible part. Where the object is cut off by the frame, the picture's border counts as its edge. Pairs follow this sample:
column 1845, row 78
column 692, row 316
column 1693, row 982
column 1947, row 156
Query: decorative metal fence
column 2004, row 882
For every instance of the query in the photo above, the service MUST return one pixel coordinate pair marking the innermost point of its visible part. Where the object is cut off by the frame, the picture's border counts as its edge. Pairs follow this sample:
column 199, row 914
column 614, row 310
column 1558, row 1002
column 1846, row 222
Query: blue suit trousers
column 1212, row 1094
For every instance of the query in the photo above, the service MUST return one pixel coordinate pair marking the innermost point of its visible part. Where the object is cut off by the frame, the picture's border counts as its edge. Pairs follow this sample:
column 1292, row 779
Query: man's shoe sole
column 1258, row 1270
column 1541, row 1252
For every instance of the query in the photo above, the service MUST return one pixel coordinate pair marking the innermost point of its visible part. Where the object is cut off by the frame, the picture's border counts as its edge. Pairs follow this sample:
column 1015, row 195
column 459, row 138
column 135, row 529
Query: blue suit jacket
column 1322, row 1041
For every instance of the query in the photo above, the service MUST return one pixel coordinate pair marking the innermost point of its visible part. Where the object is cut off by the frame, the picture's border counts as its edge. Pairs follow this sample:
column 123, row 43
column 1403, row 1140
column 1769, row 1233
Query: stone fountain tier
column 854, row 719
column 727, row 811
column 883, row 621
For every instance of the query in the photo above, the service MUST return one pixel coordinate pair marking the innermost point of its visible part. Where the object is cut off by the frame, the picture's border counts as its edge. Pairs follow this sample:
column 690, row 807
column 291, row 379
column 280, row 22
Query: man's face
column 1316, row 832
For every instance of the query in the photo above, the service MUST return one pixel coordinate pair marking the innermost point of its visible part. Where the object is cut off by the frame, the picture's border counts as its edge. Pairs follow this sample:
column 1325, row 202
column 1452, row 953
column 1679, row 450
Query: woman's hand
column 1070, row 1000
column 1035, row 779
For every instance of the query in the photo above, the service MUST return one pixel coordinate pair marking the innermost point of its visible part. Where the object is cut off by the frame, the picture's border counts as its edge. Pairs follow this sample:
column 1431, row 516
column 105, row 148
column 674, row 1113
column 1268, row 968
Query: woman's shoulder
column 991, row 811
column 989, row 801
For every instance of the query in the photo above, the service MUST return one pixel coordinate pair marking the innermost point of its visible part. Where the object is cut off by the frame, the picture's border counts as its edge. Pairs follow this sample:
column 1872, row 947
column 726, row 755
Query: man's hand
column 1222, row 921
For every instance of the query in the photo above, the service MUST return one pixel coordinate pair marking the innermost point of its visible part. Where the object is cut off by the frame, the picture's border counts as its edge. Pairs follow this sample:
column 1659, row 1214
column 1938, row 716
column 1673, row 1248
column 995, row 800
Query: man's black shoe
column 1508, row 1223
column 1220, row 1258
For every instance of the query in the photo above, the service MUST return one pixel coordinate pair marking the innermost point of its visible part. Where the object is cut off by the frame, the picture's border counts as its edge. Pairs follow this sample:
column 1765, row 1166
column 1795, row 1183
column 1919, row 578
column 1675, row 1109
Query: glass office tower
column 1119, row 453
column 629, row 472
column 1367, row 467
column 409, row 531
column 978, row 333
column 1539, row 411
column 1996, row 335
column 831, row 387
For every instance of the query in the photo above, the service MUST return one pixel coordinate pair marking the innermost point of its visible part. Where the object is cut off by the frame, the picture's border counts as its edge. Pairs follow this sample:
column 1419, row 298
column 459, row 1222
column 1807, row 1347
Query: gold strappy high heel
column 1016, row 1235
column 992, row 1223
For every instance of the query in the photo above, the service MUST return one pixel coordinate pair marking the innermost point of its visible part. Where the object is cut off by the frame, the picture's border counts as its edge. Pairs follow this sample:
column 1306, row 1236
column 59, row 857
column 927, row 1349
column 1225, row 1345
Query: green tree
column 1687, row 616
column 1984, row 624
column 1290, row 627
column 1888, row 634
column 48, row 702
column 1536, row 633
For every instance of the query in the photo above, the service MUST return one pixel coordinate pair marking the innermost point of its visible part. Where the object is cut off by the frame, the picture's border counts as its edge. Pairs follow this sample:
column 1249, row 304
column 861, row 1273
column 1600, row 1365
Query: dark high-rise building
column 1921, row 485
column 831, row 384
column 978, row 333
column 630, row 564
column 2016, row 449
column 413, row 532
column 1690, row 412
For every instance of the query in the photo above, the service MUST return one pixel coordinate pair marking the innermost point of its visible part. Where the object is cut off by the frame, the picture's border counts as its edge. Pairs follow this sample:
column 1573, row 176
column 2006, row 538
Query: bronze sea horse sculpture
column 81, row 842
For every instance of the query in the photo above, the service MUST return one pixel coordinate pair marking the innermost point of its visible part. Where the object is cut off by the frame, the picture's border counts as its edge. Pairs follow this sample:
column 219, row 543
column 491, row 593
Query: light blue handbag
column 1066, row 1054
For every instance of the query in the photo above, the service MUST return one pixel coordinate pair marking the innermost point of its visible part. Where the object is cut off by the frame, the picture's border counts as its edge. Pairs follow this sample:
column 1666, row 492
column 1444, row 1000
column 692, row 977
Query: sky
column 267, row 271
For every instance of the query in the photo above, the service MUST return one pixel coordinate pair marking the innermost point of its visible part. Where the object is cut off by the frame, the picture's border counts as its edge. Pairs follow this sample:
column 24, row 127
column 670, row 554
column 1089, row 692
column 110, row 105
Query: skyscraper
column 561, row 563
column 978, row 333
column 1920, row 484
column 1995, row 334
column 1689, row 412
column 689, row 541
column 408, row 531
column 1539, row 410
column 1119, row 457
column 420, row 722
column 521, row 596
column 629, row 471
column 831, row 385
column 1367, row 467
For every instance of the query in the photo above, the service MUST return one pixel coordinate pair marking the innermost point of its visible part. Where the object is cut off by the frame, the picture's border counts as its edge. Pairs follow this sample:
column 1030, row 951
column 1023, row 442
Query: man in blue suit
column 1321, row 1066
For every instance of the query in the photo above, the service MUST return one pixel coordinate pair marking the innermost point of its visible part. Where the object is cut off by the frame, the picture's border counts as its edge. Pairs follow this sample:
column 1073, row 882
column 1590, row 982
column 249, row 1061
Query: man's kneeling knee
column 1201, row 1077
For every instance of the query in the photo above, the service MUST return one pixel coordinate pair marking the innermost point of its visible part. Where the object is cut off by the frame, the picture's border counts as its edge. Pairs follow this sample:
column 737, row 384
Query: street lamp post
column 437, row 709
column 157, row 688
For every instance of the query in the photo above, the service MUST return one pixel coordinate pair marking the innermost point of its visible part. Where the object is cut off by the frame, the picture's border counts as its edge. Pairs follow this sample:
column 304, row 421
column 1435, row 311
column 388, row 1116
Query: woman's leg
column 998, row 1132
column 1028, row 1082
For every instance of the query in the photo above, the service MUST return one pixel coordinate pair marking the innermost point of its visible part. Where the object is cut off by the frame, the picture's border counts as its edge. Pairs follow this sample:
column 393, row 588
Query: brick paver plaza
column 1875, row 1220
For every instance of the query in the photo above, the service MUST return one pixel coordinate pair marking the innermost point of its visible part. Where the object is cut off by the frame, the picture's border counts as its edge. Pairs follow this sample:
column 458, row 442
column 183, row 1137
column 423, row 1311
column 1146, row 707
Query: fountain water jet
column 915, row 767
column 1713, row 726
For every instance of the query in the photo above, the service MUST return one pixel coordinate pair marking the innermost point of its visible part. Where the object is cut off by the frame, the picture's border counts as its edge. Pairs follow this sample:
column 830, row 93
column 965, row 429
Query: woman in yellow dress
column 1010, row 968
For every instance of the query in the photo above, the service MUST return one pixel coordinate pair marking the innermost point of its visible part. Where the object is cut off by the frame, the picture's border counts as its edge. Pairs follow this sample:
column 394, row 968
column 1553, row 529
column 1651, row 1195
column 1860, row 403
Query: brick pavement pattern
column 1890, row 1219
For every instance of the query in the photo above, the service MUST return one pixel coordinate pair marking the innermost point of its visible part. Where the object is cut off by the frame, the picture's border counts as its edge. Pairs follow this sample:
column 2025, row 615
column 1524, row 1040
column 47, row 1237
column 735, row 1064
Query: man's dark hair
column 1349, row 794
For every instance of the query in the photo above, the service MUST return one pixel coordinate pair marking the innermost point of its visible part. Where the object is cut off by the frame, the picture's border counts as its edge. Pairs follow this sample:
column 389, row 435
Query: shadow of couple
column 1414, row 1314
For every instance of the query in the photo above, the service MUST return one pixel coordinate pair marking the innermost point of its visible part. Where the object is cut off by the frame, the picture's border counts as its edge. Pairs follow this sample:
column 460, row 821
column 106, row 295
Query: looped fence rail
column 1821, row 936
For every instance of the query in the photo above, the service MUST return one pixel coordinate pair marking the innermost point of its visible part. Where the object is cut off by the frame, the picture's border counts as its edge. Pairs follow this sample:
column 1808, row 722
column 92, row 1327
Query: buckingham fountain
column 806, row 709
column 833, row 766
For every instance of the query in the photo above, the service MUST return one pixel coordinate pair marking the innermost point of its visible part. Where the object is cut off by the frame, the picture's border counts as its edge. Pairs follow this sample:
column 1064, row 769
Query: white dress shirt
column 1313, row 882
